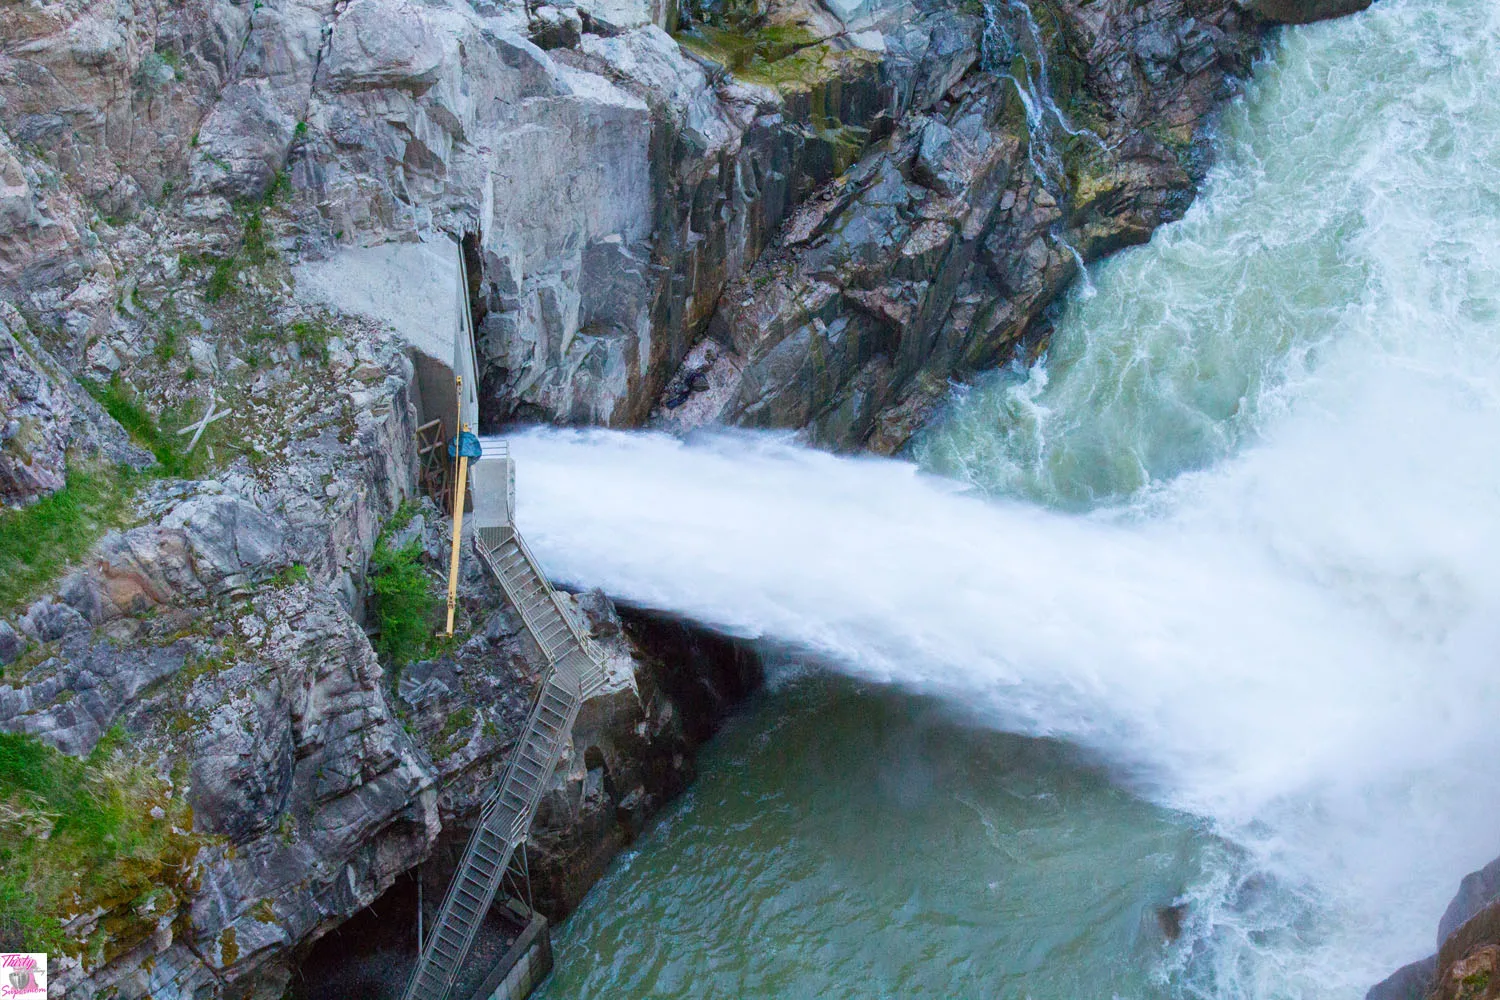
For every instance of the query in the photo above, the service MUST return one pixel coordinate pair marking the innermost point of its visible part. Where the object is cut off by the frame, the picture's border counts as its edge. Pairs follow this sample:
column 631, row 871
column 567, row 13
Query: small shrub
column 254, row 246
column 220, row 279
column 405, row 606
column 295, row 573
column 401, row 516
column 454, row 734
column 166, row 344
column 312, row 338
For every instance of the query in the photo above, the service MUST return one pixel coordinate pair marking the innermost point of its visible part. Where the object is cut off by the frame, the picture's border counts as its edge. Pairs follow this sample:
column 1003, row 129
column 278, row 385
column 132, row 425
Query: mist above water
column 1237, row 535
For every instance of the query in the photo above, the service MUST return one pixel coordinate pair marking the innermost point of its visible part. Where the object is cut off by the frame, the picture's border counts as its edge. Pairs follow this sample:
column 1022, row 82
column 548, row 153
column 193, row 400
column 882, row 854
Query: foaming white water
column 1321, row 684
column 1299, row 642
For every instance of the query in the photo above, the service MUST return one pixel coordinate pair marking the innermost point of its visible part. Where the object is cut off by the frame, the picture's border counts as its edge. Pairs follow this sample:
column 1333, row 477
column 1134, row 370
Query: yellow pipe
column 458, row 502
column 458, row 527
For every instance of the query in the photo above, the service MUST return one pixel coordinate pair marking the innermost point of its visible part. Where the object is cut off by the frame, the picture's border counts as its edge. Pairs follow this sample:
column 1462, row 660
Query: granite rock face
column 218, row 637
column 251, row 690
column 1467, row 963
column 1410, row 982
column 937, row 254
column 46, row 416
column 616, row 185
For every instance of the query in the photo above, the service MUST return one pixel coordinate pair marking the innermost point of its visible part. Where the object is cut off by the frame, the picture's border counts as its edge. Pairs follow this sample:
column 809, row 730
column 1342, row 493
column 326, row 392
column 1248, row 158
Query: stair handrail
column 587, row 683
column 511, row 837
column 527, row 618
column 590, row 648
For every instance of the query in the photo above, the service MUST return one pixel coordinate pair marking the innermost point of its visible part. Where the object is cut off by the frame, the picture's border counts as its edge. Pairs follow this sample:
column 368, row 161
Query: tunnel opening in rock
column 371, row 954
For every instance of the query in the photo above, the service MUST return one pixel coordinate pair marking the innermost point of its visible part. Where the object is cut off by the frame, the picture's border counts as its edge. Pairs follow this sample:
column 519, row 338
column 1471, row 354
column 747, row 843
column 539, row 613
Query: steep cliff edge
column 616, row 183
column 1074, row 129
column 1466, row 965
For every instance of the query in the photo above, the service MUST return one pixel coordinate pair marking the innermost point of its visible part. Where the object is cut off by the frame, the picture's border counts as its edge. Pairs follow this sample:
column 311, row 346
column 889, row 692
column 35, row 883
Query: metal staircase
column 574, row 672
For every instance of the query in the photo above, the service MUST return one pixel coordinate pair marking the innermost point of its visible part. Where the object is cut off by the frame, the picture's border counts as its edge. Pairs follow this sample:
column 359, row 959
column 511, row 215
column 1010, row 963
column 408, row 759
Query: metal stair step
column 508, row 815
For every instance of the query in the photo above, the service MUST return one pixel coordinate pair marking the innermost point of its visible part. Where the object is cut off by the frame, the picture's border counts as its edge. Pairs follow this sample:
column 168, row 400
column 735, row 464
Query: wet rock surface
column 1467, row 963
column 1067, row 133
column 1305, row 11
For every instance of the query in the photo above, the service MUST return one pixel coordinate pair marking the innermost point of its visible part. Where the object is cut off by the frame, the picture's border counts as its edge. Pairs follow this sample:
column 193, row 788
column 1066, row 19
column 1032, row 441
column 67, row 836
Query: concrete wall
column 524, row 967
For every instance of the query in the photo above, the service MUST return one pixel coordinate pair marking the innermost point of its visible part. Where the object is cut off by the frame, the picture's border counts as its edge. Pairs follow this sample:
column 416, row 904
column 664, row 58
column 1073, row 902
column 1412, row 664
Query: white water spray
column 1010, row 32
column 1299, row 640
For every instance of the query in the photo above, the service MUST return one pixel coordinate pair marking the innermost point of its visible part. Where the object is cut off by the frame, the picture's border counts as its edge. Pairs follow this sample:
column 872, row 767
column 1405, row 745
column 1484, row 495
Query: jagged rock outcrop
column 669, row 170
column 251, row 690
column 1305, row 11
column 631, row 750
column 220, row 637
column 1467, row 963
column 941, row 249
column 45, row 416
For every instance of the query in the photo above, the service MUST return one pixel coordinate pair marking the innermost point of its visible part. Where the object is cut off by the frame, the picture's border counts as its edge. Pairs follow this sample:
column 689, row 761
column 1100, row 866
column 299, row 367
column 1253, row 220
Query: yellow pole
column 458, row 527
column 458, row 505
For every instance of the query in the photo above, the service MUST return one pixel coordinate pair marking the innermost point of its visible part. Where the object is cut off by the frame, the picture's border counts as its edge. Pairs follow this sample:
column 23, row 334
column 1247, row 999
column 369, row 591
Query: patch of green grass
column 172, row 461
column 220, row 279
column 312, row 337
column 39, row 541
column 166, row 343
column 254, row 247
column 454, row 734
column 771, row 54
column 295, row 573
column 75, row 834
column 405, row 606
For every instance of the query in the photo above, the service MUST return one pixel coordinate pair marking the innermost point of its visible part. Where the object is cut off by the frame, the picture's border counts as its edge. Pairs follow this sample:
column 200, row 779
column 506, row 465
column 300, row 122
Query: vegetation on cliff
column 79, row 834
column 39, row 541
column 405, row 604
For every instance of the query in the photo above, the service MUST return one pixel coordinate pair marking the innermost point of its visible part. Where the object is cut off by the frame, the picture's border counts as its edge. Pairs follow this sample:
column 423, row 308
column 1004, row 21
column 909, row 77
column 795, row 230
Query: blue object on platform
column 466, row 445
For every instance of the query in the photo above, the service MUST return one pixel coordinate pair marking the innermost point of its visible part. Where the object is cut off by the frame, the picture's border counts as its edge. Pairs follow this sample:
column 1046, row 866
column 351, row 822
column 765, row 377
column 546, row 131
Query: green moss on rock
column 80, row 835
